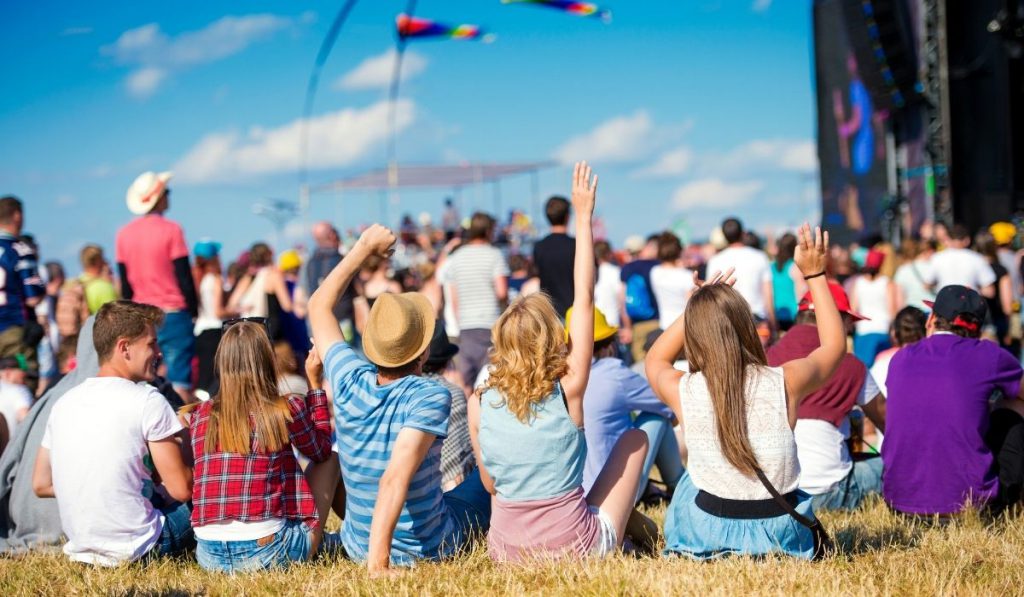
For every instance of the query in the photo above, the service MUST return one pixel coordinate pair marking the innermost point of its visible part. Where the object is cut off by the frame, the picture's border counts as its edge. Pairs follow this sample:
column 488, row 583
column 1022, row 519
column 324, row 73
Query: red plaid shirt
column 259, row 486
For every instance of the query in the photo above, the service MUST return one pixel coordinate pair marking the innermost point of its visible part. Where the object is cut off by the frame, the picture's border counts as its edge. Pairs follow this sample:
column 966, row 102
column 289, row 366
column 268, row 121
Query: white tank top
column 254, row 301
column 873, row 303
column 767, row 429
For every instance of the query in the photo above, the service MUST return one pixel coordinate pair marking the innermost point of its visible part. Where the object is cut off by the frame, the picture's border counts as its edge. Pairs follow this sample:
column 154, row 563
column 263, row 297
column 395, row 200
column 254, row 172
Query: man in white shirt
column 753, row 270
column 958, row 264
column 98, row 439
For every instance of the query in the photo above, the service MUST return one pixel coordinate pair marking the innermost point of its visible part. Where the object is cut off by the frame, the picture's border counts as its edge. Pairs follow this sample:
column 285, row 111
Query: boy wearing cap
column 827, row 470
column 390, row 423
column 152, row 261
column 937, row 460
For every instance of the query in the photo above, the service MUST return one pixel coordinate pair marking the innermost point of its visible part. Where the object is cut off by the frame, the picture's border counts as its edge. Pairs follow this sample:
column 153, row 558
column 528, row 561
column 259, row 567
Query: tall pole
column 396, row 78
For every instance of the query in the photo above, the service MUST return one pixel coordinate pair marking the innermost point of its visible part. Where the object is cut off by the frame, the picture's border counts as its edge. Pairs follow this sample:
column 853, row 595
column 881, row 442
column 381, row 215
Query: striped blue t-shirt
column 369, row 418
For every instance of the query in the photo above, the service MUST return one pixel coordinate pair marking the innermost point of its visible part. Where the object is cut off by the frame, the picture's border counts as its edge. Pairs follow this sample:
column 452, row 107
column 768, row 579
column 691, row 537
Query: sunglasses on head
column 265, row 322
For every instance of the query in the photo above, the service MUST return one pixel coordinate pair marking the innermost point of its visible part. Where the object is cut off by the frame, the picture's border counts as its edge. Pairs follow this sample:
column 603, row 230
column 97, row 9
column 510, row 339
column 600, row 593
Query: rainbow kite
column 582, row 9
column 415, row 27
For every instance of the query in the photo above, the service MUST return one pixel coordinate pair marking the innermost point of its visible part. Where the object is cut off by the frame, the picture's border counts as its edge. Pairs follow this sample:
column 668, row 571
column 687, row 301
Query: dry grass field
column 880, row 554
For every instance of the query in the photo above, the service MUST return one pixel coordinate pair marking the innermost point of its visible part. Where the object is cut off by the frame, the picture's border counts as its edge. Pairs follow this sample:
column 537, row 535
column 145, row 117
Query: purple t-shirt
column 937, row 415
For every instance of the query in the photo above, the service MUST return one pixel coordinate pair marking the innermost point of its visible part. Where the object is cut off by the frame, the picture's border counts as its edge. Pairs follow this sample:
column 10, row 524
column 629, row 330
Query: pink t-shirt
column 148, row 246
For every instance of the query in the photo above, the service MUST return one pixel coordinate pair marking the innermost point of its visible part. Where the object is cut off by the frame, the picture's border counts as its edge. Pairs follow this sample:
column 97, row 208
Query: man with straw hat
column 390, row 423
column 152, row 262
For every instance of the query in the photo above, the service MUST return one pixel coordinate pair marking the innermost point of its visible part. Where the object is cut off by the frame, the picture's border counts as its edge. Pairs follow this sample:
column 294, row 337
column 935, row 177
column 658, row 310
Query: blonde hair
column 721, row 343
column 247, row 415
column 529, row 354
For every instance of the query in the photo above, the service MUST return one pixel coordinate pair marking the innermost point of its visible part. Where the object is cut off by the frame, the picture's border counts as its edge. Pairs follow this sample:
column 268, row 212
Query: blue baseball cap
column 207, row 249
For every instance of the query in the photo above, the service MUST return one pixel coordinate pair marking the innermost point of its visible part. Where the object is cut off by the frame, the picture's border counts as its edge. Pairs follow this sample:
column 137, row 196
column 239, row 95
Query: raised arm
column 805, row 375
column 324, row 325
column 581, row 328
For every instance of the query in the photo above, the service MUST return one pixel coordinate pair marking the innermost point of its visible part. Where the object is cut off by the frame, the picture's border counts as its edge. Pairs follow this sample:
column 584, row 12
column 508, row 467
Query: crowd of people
column 437, row 386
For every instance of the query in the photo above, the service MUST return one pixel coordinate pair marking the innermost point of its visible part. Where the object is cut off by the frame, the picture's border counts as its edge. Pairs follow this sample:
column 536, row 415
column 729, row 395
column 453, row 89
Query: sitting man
column 390, row 424
column 613, row 394
column 937, row 461
column 94, row 452
column 827, row 472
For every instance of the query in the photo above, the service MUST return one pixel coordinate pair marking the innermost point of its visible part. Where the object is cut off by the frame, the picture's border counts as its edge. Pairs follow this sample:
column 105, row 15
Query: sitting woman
column 253, row 507
column 527, row 427
column 739, row 416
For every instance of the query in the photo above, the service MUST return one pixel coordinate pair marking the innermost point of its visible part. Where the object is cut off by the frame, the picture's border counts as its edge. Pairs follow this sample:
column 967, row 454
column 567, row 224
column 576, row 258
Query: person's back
column 671, row 286
column 935, row 455
column 553, row 256
column 147, row 247
column 472, row 270
column 752, row 271
column 369, row 418
column 784, row 292
column 960, row 266
column 606, row 291
column 97, row 436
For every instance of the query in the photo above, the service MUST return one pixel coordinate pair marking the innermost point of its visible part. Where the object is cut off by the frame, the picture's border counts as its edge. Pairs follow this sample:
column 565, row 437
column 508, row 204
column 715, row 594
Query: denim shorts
column 291, row 544
column 178, row 345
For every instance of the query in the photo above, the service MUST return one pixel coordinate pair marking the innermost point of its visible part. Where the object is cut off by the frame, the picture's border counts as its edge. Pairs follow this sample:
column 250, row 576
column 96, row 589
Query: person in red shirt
column 152, row 262
column 253, row 508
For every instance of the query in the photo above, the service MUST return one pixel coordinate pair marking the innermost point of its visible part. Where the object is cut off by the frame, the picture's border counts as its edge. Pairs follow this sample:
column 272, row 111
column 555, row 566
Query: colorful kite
column 582, row 9
column 415, row 27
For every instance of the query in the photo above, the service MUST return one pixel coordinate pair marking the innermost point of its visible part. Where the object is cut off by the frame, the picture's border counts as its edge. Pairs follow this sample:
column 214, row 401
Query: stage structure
column 454, row 177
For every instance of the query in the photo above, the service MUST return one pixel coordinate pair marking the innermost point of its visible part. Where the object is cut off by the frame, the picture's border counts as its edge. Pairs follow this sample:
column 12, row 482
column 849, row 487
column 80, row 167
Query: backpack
column 71, row 310
column 639, row 305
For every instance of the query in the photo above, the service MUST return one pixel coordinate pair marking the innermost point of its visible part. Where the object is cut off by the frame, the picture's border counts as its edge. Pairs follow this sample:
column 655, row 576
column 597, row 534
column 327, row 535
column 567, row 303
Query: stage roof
column 425, row 176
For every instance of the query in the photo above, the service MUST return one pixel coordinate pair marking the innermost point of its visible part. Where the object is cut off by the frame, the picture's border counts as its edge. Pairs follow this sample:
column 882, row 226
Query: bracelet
column 821, row 273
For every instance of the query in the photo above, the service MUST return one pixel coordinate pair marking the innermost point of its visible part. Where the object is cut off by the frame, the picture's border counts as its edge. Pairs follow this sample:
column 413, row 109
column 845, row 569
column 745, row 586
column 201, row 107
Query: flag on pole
column 416, row 27
column 582, row 9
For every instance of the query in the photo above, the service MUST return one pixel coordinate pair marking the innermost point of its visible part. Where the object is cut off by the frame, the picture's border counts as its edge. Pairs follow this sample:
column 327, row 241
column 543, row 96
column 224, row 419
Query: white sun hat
column 144, row 193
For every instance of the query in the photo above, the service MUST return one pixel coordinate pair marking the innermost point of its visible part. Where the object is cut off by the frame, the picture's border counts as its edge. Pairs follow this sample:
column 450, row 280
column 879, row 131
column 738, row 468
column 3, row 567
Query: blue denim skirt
column 291, row 544
column 692, row 532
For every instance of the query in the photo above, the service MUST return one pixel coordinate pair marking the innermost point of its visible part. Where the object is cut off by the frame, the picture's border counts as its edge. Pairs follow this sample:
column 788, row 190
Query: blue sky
column 694, row 109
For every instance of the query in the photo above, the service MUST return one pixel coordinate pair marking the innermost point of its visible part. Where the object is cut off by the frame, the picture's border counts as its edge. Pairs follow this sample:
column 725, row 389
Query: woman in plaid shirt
column 253, row 508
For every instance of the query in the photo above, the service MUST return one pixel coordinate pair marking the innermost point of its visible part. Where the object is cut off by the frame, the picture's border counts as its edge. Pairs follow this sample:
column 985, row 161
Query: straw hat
column 145, row 192
column 399, row 329
column 602, row 329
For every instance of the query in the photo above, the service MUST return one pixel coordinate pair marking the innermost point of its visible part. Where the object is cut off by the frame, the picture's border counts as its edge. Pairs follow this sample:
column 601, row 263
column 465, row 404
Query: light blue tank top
column 784, row 292
column 539, row 460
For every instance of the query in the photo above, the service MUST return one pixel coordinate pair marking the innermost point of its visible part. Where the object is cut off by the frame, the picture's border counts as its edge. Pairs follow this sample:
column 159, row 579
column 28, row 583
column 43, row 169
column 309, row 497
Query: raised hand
column 584, row 188
column 717, row 278
column 314, row 369
column 811, row 250
column 379, row 240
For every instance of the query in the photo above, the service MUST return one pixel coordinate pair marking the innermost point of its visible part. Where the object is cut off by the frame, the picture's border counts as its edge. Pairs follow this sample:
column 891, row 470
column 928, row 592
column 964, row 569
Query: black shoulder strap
column 785, row 505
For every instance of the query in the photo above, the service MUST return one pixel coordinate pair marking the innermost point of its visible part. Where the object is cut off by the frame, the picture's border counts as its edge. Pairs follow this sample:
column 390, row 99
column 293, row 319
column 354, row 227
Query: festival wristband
column 819, row 274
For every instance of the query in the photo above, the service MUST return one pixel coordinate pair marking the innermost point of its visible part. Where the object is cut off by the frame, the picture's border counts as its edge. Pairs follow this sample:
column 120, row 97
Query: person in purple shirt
column 937, row 461
column 613, row 395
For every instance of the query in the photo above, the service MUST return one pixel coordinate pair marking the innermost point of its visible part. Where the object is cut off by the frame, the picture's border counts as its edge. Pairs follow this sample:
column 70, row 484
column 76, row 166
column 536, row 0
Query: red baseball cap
column 839, row 296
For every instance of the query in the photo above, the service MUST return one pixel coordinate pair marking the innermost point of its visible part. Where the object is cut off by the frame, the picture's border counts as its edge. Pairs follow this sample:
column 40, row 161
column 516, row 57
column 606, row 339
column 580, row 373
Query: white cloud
column 761, row 5
column 155, row 55
column 375, row 71
column 763, row 155
column 715, row 192
column 671, row 163
column 620, row 139
column 336, row 139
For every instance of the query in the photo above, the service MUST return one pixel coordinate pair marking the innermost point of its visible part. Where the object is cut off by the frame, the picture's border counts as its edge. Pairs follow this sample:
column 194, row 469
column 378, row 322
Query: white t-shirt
column 606, row 292
column 872, row 298
column 913, row 278
column 960, row 266
column 671, row 287
column 13, row 398
column 97, row 435
column 752, row 270
column 207, row 319
column 821, row 447
column 451, row 323
column 472, row 270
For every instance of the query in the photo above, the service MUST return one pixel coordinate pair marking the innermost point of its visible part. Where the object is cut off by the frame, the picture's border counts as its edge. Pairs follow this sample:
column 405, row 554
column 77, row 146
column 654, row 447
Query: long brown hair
column 248, row 415
column 721, row 343
column 529, row 354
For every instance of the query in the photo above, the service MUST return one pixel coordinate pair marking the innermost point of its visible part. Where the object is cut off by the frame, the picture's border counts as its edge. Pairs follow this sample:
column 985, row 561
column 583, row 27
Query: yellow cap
column 289, row 260
column 1003, row 232
column 602, row 330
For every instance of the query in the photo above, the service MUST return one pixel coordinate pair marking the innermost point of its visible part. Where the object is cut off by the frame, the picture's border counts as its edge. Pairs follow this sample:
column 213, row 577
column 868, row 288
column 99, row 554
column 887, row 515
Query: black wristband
column 821, row 273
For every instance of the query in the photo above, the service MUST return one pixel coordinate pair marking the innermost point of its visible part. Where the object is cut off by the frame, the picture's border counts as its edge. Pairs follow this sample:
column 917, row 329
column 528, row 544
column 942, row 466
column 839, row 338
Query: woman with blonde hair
column 253, row 506
column 739, row 493
column 527, row 427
